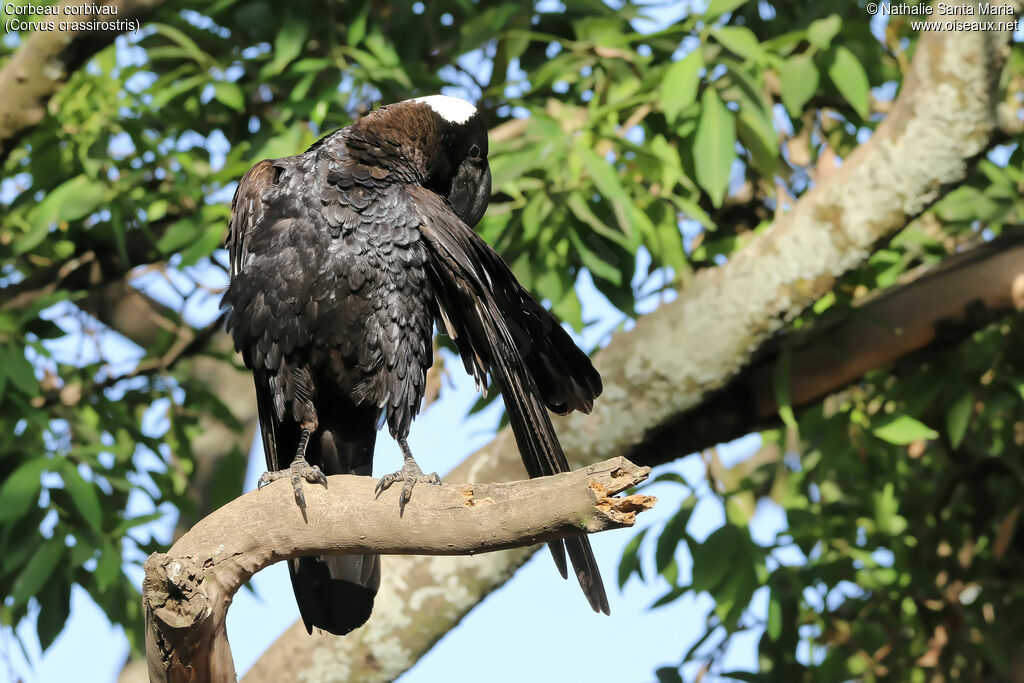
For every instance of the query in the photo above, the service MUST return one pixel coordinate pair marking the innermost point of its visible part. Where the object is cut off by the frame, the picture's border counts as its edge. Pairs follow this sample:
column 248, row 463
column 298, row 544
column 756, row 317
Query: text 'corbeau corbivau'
column 342, row 259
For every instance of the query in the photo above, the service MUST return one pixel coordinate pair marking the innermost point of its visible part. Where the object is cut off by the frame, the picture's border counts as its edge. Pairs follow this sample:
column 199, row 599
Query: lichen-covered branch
column 42, row 64
column 187, row 591
column 943, row 119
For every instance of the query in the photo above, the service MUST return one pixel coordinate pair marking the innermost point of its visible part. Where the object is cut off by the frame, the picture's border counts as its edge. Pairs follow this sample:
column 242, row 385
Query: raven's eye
column 474, row 152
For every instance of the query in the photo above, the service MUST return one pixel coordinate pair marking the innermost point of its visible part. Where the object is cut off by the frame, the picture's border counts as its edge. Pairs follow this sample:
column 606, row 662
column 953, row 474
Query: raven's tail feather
column 542, row 453
column 335, row 594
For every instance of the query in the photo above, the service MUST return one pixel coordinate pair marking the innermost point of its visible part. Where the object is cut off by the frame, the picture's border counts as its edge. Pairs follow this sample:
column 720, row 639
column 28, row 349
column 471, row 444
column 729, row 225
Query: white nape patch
column 451, row 109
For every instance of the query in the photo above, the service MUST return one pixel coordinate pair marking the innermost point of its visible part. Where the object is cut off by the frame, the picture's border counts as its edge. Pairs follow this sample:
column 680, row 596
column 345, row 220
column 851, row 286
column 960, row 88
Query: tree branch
column 42, row 64
column 935, row 308
column 943, row 118
column 187, row 591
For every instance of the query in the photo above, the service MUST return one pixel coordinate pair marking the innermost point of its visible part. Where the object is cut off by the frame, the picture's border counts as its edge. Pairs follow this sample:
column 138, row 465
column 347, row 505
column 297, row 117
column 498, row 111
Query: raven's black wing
column 246, row 219
column 499, row 328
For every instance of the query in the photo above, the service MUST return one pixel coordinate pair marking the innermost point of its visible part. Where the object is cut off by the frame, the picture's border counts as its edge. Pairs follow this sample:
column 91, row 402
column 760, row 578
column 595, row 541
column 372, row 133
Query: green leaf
column 108, row 566
column 21, row 489
column 18, row 369
column 903, row 430
column 774, row 619
column 604, row 175
column 180, row 234
column 569, row 309
column 850, row 79
column 739, row 40
column 714, row 558
column 38, row 570
column 230, row 95
column 679, row 87
column 157, row 210
column 821, row 31
column 69, row 201
column 83, row 494
column 581, row 209
column 606, row 178
column 630, row 563
column 673, row 533
column 887, row 511
column 780, row 385
column 758, row 135
column 587, row 248
column 714, row 146
column 799, row 79
column 717, row 8
column 357, row 26
column 54, row 608
column 165, row 95
column 671, row 596
column 287, row 45
column 668, row 674
column 537, row 209
column 282, row 145
column 188, row 46
column 958, row 416
column 132, row 522
column 211, row 237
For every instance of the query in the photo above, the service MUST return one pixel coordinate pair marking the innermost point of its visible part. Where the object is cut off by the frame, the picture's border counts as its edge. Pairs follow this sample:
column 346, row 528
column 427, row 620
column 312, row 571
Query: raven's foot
column 299, row 471
column 410, row 475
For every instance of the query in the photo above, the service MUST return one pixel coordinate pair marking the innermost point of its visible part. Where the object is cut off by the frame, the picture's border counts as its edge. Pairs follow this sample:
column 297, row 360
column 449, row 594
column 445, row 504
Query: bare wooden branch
column 187, row 591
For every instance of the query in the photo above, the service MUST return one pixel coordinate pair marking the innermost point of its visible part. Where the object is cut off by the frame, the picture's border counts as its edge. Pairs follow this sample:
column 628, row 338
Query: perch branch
column 187, row 591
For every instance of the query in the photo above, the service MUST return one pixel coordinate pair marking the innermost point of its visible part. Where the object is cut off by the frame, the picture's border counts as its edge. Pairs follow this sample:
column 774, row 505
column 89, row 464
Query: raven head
column 461, row 173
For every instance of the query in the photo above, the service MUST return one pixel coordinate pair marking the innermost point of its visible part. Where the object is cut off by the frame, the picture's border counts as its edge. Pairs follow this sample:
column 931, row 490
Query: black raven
column 342, row 258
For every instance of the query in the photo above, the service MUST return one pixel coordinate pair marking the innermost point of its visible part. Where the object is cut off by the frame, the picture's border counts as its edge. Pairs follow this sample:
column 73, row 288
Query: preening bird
column 342, row 259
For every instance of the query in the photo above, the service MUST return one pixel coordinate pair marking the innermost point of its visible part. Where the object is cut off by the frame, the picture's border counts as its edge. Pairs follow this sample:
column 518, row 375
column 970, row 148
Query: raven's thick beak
column 470, row 193
column 482, row 198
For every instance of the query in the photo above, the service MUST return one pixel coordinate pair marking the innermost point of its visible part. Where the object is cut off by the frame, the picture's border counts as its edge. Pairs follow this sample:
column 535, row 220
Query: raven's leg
column 410, row 474
column 298, row 471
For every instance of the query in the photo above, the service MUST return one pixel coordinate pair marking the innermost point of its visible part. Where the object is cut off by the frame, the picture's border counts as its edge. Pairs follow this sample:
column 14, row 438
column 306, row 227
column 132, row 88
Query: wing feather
column 493, row 321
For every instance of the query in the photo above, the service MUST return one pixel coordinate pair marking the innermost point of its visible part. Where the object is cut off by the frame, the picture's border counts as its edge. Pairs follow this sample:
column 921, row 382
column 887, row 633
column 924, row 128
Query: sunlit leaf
column 673, row 533
column 848, row 75
column 903, row 430
column 38, row 570
column 679, row 87
column 287, row 45
column 716, row 8
column 18, row 369
column 21, row 489
column 630, row 562
column 799, row 78
column 821, row 31
column 229, row 94
column 958, row 416
column 740, row 41
column 84, row 494
column 774, row 628
column 714, row 146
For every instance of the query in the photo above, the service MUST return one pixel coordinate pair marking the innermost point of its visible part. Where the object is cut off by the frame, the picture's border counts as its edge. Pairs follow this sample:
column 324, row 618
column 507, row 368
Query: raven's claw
column 410, row 474
column 298, row 471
